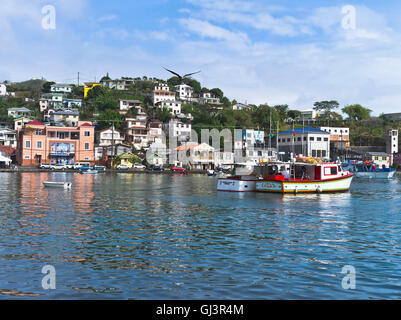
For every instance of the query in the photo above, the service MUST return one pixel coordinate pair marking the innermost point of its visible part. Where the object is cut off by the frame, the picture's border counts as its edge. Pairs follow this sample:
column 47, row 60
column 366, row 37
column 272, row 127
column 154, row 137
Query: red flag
column 293, row 132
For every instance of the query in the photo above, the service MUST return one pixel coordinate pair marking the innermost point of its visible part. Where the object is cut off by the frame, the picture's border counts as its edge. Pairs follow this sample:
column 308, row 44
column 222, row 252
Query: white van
column 79, row 165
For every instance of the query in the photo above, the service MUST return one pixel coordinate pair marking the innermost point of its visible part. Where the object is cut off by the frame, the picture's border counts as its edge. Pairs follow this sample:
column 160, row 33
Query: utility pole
column 112, row 141
column 78, row 78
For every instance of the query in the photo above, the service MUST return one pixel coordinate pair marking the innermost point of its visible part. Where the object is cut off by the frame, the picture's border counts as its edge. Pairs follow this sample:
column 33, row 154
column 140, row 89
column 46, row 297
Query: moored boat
column 307, row 177
column 51, row 184
column 369, row 170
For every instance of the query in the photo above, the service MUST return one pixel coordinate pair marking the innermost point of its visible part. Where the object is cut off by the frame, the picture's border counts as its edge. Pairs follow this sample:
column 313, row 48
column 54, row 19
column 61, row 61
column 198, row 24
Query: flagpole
column 270, row 134
column 293, row 138
column 278, row 150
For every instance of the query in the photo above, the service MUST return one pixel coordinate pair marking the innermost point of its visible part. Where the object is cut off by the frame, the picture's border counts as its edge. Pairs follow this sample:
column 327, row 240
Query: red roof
column 86, row 125
column 35, row 123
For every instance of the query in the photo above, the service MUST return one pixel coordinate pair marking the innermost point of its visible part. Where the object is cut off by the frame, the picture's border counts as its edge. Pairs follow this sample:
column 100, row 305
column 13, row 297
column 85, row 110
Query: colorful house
column 89, row 86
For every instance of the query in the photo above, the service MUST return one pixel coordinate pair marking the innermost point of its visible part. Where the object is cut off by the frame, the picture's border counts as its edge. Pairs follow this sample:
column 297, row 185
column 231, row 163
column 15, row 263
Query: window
column 319, row 139
column 86, row 146
column 39, row 145
column 28, row 144
column 324, row 153
column 87, row 133
column 38, row 132
column 333, row 170
column 313, row 153
column 312, row 139
column 326, row 139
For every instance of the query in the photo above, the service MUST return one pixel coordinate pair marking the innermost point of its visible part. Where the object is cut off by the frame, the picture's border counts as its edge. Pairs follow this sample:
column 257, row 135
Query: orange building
column 38, row 143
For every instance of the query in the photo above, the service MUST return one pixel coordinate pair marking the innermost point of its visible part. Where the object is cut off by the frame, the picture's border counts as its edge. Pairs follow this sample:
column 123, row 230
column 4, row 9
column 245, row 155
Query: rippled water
column 121, row 236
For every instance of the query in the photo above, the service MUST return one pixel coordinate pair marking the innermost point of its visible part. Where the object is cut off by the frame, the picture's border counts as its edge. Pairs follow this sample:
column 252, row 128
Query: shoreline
column 24, row 170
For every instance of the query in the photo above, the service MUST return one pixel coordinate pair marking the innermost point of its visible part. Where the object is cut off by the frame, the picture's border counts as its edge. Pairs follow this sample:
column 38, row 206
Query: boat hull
column 64, row 185
column 334, row 185
column 376, row 175
column 233, row 185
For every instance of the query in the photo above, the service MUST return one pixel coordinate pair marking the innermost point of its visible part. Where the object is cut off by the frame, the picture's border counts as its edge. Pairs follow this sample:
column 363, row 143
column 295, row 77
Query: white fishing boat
column 307, row 176
column 52, row 184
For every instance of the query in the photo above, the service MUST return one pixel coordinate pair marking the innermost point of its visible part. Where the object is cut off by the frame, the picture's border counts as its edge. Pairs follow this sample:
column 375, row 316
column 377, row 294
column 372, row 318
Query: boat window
column 339, row 169
column 333, row 170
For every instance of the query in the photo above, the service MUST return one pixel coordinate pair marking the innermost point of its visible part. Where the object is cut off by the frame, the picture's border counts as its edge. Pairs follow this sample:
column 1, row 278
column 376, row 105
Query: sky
column 256, row 51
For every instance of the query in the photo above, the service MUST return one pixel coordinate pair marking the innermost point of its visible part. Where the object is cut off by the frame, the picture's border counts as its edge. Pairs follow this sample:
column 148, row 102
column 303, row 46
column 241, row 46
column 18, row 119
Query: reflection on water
column 175, row 237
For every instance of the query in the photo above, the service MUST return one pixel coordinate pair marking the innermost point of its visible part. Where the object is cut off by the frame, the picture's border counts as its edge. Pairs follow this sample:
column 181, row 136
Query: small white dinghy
column 65, row 185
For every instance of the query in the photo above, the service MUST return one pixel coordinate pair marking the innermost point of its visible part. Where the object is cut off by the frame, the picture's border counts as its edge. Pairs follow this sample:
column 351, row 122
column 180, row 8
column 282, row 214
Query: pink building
column 38, row 143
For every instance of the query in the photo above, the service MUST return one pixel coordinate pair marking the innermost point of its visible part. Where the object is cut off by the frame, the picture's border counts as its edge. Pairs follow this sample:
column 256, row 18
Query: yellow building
column 89, row 86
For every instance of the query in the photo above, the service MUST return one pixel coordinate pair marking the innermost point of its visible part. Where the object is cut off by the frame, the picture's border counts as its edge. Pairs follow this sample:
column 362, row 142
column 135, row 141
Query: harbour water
column 138, row 236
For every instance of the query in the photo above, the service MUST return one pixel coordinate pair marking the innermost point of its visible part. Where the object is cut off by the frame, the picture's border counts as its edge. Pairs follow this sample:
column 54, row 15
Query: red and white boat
column 307, row 176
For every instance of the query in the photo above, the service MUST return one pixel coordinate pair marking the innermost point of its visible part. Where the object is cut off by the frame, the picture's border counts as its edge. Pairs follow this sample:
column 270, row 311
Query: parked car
column 138, row 166
column 179, row 169
column 58, row 166
column 45, row 166
column 82, row 165
column 122, row 167
column 157, row 168
column 99, row 167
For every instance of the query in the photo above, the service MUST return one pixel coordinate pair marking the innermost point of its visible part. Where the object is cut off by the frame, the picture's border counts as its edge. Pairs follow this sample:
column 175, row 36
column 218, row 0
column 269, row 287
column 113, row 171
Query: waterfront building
column 61, row 88
column 8, row 137
column 223, row 158
column 39, row 143
column 339, row 137
column 250, row 146
column 109, row 137
column 195, row 156
column 392, row 144
column 89, row 86
column 381, row 159
column 308, row 141
column 157, row 154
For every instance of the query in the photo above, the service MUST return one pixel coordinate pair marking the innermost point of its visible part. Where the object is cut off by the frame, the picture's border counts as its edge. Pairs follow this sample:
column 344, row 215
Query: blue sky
column 279, row 52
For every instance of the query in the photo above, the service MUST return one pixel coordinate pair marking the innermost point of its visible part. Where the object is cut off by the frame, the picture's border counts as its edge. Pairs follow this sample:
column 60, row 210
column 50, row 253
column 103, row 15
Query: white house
column 173, row 105
column 241, row 106
column 106, row 137
column 61, row 88
column 126, row 105
column 118, row 84
column 185, row 92
column 178, row 129
column 195, row 156
column 208, row 97
column 20, row 122
column 3, row 89
column 161, row 93
column 8, row 138
column 72, row 103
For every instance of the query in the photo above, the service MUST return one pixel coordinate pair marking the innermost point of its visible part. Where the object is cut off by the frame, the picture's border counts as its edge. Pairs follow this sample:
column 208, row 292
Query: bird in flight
column 188, row 75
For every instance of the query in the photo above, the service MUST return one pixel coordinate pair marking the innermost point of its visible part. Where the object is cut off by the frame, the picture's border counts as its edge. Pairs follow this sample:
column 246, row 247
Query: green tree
column 282, row 111
column 356, row 112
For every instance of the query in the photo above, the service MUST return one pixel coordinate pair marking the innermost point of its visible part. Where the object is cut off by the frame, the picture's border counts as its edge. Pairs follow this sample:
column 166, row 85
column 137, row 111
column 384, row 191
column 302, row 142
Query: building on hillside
column 55, row 100
column 209, row 98
column 137, row 132
column 185, row 92
column 43, row 104
column 173, row 105
column 19, row 112
column 89, row 86
column 178, row 129
column 392, row 116
column 126, row 105
column 381, row 159
column 21, row 121
column 8, row 137
column 105, row 154
column 109, row 136
column 72, row 103
column 161, row 93
column 3, row 90
column 61, row 88
column 392, row 144
column 38, row 143
column 241, row 106
column 308, row 141
column 195, row 156
column 117, row 84
column 67, row 117
column 157, row 154
column 155, row 131
column 339, row 137
column 307, row 116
